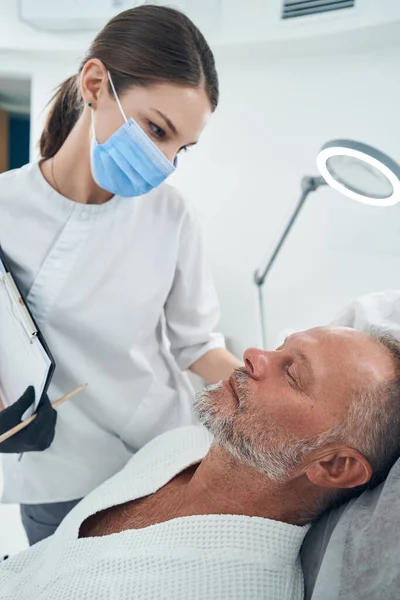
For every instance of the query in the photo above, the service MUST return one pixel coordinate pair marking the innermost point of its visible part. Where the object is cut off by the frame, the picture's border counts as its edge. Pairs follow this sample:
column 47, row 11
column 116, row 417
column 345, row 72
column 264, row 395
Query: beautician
column 111, row 259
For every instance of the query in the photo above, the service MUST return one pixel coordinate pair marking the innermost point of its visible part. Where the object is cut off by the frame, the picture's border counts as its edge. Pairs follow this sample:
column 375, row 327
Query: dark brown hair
column 141, row 46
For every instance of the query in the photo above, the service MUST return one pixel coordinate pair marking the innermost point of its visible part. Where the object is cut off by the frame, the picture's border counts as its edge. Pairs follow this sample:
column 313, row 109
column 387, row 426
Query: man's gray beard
column 268, row 449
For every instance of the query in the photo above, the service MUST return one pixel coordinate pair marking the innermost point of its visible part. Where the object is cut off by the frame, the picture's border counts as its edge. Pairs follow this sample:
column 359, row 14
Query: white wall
column 244, row 178
column 45, row 79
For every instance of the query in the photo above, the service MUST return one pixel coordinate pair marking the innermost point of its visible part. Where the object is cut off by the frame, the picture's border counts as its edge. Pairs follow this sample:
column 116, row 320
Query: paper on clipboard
column 23, row 359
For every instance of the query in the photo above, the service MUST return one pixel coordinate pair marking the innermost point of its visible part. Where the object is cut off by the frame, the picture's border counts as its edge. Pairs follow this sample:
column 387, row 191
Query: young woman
column 111, row 259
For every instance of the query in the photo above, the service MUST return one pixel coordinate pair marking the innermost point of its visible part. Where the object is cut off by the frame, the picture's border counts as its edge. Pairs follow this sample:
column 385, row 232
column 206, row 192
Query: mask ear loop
column 118, row 103
column 116, row 97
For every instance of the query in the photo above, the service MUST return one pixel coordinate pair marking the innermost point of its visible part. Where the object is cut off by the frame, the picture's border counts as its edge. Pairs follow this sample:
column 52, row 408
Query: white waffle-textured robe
column 201, row 557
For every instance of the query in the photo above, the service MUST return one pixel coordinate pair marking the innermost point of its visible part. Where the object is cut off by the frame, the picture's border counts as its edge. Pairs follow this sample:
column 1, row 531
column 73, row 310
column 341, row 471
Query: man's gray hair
column 372, row 423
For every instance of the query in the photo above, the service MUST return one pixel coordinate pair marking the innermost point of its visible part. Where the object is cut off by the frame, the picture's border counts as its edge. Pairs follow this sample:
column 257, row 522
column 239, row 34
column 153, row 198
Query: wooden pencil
column 5, row 436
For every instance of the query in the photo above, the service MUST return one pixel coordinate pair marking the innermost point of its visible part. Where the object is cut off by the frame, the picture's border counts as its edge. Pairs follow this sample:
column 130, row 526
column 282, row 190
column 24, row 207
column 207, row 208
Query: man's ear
column 339, row 467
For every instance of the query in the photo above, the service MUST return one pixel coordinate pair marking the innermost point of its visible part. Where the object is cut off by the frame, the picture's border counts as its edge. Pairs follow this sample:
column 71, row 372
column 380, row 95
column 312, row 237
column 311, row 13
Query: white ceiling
column 71, row 25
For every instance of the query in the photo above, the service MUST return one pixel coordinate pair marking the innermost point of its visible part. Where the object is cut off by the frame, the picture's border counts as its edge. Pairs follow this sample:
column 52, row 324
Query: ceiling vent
column 305, row 8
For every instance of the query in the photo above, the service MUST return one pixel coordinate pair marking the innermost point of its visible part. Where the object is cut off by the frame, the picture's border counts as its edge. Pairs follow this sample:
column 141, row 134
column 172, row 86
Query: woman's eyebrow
column 167, row 121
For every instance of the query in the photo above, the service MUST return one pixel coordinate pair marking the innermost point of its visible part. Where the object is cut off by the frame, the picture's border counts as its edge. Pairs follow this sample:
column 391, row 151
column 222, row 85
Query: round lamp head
column 360, row 172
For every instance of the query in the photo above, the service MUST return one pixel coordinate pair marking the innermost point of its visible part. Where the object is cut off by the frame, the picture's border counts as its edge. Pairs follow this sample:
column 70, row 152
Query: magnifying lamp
column 359, row 172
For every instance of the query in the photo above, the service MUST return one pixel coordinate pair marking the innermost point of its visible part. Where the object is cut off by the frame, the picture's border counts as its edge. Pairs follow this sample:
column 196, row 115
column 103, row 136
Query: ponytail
column 64, row 113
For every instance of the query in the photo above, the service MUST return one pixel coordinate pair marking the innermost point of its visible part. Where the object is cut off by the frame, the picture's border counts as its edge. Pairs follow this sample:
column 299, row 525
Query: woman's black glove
column 38, row 435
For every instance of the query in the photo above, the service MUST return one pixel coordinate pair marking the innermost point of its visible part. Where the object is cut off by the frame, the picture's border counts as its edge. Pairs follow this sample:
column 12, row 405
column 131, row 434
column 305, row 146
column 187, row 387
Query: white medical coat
column 123, row 296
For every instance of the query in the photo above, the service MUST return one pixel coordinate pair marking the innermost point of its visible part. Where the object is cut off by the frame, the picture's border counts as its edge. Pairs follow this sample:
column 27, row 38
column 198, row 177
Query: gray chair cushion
column 353, row 553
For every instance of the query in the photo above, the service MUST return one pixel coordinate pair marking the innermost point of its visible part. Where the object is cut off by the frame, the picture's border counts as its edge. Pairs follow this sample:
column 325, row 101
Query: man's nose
column 256, row 362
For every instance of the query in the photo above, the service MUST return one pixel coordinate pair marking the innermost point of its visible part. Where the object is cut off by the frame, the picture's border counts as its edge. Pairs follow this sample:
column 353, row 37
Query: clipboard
column 25, row 358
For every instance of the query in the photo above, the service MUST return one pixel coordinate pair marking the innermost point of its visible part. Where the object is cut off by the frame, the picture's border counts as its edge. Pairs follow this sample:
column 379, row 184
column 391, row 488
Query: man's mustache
column 241, row 373
column 241, row 377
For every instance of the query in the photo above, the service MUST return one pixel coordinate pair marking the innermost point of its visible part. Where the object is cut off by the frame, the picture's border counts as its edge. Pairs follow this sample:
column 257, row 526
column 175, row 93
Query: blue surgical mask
column 128, row 163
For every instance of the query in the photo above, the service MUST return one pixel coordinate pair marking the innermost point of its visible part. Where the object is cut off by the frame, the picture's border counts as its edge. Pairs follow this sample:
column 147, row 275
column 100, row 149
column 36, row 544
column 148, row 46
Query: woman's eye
column 158, row 132
column 183, row 149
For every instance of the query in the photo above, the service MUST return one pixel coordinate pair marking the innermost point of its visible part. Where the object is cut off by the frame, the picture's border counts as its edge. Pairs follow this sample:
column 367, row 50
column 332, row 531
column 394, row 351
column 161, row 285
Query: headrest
column 381, row 309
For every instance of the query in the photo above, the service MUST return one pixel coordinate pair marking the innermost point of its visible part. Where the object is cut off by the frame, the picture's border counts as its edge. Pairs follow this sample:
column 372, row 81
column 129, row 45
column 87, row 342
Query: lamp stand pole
column 308, row 185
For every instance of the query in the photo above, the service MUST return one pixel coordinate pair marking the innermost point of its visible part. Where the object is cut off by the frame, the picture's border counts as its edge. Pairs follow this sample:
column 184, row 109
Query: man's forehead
column 331, row 335
column 344, row 346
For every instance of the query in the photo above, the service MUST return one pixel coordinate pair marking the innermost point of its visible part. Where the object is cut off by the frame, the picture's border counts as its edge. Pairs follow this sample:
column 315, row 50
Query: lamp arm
column 308, row 185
